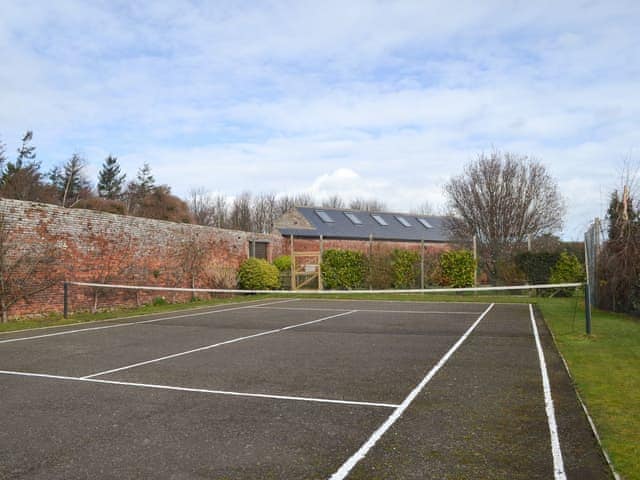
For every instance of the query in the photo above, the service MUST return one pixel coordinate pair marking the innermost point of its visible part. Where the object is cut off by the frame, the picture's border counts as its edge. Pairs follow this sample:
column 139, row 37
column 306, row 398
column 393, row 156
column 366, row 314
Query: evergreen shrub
column 258, row 274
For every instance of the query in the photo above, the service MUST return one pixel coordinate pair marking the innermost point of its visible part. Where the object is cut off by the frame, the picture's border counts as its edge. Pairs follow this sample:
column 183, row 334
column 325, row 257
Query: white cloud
column 290, row 95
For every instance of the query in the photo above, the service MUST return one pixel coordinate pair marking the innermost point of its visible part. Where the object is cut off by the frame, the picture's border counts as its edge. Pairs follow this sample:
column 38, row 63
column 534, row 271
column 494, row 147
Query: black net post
column 65, row 301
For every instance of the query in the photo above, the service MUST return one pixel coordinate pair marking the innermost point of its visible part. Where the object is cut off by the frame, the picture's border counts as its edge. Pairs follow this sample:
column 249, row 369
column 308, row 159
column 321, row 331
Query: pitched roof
column 336, row 223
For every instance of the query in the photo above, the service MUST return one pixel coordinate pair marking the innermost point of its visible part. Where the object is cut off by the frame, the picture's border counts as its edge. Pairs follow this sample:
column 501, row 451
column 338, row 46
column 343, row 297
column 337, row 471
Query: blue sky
column 358, row 98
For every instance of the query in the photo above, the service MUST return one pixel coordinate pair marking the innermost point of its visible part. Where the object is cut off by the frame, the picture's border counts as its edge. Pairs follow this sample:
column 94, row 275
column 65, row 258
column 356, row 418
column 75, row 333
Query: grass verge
column 605, row 370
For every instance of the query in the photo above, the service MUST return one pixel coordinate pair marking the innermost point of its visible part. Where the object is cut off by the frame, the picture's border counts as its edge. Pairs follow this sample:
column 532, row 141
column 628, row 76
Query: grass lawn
column 606, row 370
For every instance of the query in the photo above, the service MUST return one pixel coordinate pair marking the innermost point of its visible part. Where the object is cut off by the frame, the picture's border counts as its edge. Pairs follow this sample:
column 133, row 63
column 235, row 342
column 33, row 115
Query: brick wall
column 92, row 246
column 364, row 246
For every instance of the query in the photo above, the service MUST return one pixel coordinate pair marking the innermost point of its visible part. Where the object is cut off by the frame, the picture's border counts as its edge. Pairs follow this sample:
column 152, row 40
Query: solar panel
column 425, row 223
column 379, row 219
column 354, row 219
column 403, row 221
column 324, row 216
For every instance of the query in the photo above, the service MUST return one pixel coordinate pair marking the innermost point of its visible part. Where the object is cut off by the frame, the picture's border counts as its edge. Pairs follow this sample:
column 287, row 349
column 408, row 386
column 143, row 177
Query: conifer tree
column 110, row 179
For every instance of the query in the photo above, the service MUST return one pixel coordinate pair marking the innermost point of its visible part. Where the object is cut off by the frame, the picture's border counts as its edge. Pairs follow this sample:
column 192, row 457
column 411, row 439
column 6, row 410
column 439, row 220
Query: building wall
column 364, row 246
column 91, row 246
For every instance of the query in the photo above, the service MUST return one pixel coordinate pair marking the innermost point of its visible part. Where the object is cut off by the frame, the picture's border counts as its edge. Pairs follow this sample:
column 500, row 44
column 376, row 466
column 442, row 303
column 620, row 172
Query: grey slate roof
column 343, row 228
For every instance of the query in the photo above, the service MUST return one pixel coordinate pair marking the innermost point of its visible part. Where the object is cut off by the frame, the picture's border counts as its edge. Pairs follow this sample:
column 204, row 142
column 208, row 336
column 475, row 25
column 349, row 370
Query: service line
column 201, row 390
column 208, row 347
column 352, row 461
column 365, row 310
column 558, row 464
column 128, row 324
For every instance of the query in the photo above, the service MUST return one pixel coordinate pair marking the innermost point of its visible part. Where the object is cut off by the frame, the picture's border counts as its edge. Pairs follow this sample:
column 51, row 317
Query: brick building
column 306, row 228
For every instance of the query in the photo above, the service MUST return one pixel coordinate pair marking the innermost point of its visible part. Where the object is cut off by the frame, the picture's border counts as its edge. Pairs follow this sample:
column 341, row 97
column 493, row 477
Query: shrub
column 457, row 268
column 283, row 263
column 537, row 266
column 157, row 301
column 343, row 269
column 568, row 269
column 406, row 269
column 258, row 274
column 379, row 270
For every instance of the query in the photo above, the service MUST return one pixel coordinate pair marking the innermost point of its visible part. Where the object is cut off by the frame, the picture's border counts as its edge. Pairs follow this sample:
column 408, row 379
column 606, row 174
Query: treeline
column 22, row 178
column 257, row 213
column 618, row 259
column 67, row 185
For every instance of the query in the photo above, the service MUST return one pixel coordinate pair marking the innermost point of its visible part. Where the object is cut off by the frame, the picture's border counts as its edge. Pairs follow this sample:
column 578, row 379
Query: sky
column 372, row 99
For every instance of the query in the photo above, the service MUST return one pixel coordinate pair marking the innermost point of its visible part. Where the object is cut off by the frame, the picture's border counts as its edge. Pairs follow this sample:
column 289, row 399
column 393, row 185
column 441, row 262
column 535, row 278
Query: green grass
column 57, row 319
column 606, row 370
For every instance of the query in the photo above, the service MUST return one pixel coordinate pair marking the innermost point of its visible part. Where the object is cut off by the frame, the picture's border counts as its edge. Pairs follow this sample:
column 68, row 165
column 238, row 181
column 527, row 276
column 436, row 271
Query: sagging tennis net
column 86, row 296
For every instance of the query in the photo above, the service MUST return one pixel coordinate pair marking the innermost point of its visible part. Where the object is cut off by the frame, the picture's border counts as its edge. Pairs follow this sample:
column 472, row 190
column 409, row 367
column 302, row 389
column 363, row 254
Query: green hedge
column 537, row 266
column 283, row 263
column 457, row 268
column 568, row 269
column 258, row 274
column 406, row 268
column 343, row 269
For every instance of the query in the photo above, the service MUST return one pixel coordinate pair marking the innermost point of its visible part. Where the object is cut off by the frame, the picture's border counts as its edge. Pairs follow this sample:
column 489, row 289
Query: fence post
column 587, row 288
column 421, row 264
column 65, row 302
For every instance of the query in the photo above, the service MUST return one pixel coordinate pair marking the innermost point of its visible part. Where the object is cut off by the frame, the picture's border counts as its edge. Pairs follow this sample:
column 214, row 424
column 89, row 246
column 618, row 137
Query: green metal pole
column 65, row 308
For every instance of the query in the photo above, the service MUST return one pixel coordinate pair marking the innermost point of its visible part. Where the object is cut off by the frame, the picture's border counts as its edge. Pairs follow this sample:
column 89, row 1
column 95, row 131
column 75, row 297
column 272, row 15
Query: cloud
column 390, row 99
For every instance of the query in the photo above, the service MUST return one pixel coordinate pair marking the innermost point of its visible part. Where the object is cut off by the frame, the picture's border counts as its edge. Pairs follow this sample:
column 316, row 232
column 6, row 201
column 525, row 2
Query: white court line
column 130, row 317
column 207, row 347
column 352, row 461
column 201, row 390
column 267, row 307
column 558, row 465
column 128, row 324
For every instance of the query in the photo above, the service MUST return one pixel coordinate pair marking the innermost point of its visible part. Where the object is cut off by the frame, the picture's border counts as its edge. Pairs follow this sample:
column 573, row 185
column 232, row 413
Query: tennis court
column 295, row 389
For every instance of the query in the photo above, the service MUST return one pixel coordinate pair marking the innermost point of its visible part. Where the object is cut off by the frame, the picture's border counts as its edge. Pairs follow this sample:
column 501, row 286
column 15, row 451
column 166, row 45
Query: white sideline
column 207, row 347
column 201, row 390
column 128, row 324
column 352, row 461
column 558, row 465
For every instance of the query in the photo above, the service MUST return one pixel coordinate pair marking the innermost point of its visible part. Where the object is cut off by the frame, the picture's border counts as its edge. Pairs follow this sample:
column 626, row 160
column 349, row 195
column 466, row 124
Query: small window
column 379, row 219
column 324, row 216
column 354, row 219
column 425, row 223
column 403, row 221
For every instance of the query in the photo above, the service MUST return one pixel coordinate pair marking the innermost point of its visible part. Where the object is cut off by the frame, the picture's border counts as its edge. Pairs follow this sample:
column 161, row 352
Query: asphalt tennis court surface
column 293, row 389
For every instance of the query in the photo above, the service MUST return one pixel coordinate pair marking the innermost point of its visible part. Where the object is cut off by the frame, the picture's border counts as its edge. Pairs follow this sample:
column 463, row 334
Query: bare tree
column 240, row 217
column 220, row 212
column 502, row 199
column 264, row 211
column 25, row 269
column 425, row 208
column 367, row 205
column 619, row 259
column 201, row 206
column 334, row 201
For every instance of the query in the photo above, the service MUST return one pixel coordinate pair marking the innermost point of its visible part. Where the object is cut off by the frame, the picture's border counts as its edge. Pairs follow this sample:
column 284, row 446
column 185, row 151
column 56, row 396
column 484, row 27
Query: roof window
column 424, row 223
column 324, row 216
column 403, row 221
column 379, row 219
column 354, row 219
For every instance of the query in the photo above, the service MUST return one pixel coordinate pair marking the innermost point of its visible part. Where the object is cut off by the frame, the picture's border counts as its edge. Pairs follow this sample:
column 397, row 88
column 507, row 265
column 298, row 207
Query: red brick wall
column 92, row 246
column 313, row 245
